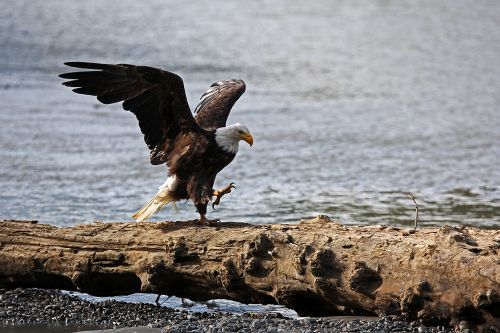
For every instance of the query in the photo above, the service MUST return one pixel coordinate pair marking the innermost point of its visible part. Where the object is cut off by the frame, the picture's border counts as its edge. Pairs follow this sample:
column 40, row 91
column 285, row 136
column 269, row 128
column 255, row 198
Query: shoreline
column 53, row 310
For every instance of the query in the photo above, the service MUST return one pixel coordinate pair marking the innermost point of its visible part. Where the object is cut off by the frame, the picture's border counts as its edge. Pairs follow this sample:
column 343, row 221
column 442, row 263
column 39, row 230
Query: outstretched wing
column 156, row 97
column 216, row 103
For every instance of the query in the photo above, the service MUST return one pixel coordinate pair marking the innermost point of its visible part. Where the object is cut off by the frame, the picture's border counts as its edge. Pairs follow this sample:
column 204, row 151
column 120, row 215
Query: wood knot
column 423, row 288
column 389, row 304
column 363, row 279
column 413, row 300
column 486, row 299
column 108, row 258
column 325, row 264
column 231, row 277
column 260, row 251
column 301, row 262
column 182, row 255
column 262, row 246
column 456, row 235
column 321, row 219
column 256, row 267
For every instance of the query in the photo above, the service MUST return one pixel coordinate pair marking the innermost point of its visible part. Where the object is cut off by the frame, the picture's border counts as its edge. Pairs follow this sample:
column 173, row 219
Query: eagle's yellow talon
column 219, row 193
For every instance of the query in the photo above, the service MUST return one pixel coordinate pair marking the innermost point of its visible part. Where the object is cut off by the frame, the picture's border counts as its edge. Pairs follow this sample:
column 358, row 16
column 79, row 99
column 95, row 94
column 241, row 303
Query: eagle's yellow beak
column 247, row 137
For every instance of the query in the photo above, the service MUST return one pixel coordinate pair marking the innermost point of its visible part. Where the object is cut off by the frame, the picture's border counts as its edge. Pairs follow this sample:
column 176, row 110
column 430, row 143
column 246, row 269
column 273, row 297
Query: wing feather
column 94, row 75
column 156, row 97
column 119, row 93
column 216, row 103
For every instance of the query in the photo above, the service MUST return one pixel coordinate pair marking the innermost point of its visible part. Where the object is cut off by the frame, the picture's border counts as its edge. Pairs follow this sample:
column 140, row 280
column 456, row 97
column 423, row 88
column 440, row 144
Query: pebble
column 53, row 308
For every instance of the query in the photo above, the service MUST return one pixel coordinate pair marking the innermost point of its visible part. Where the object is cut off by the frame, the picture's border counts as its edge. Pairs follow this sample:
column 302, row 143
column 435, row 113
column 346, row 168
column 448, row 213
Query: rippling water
column 352, row 104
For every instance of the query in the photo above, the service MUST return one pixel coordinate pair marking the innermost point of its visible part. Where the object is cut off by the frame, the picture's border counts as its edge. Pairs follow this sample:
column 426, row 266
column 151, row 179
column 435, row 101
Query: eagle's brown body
column 196, row 168
column 194, row 149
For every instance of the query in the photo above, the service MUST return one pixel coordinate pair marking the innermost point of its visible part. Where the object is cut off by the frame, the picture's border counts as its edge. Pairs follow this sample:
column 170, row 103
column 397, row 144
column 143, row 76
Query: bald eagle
column 194, row 149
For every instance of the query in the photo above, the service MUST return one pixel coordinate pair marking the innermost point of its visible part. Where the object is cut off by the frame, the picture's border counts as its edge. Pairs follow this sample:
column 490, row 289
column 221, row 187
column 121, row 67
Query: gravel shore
column 26, row 307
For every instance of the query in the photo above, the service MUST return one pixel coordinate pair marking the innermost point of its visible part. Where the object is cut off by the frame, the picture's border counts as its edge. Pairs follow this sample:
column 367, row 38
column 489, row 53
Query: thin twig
column 416, row 209
column 157, row 301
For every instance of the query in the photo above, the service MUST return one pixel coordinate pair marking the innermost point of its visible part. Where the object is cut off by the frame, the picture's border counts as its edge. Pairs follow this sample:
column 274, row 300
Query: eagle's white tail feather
column 162, row 198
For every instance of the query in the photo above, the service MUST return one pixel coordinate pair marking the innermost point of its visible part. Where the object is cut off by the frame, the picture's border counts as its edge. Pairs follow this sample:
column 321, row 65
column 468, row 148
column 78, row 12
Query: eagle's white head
column 229, row 137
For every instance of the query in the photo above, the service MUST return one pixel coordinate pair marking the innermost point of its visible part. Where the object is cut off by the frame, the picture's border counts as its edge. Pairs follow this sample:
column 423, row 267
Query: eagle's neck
column 227, row 139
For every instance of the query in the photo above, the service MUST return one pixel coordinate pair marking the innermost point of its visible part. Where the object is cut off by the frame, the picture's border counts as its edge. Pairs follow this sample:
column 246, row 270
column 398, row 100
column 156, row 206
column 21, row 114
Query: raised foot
column 219, row 193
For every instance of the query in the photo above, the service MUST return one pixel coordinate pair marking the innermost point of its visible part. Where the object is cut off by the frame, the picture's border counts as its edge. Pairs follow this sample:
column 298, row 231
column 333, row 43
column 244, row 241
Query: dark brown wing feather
column 156, row 97
column 216, row 103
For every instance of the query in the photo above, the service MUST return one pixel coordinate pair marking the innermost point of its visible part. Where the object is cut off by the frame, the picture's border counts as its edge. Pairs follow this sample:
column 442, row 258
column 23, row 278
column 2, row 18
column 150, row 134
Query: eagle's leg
column 202, row 210
column 219, row 193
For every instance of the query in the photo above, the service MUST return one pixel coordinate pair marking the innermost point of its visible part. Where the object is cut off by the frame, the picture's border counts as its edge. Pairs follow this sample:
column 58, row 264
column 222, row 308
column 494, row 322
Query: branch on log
column 318, row 267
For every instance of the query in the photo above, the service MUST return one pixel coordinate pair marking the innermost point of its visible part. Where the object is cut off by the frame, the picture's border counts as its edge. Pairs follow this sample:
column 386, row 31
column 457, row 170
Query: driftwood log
column 440, row 276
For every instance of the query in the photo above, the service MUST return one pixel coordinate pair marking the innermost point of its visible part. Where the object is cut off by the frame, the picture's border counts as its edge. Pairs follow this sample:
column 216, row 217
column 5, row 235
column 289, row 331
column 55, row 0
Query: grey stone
column 42, row 307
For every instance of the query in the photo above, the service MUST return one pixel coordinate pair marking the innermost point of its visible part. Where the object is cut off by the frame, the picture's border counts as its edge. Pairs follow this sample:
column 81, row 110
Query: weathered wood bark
column 318, row 267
